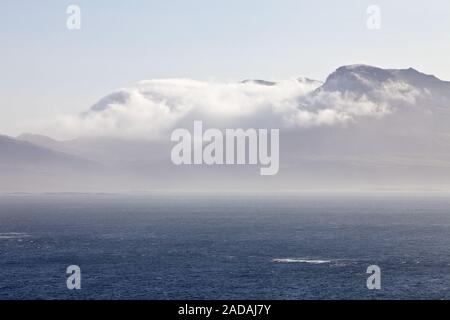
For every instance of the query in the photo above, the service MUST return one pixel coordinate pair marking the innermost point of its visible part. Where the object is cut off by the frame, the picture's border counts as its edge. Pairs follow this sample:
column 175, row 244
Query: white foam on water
column 13, row 235
column 301, row 260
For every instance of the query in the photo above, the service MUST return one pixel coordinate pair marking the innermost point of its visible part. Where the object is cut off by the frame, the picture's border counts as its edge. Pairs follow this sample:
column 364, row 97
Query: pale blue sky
column 47, row 69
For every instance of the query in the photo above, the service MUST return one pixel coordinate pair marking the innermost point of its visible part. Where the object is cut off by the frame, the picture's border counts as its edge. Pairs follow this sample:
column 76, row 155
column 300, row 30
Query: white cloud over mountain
column 151, row 108
column 363, row 127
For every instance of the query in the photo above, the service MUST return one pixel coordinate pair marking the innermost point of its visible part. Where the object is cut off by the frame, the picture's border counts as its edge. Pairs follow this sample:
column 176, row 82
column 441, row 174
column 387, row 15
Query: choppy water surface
column 227, row 247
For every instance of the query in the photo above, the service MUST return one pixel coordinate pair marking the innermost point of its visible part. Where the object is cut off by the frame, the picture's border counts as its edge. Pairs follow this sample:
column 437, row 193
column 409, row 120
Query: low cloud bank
column 152, row 108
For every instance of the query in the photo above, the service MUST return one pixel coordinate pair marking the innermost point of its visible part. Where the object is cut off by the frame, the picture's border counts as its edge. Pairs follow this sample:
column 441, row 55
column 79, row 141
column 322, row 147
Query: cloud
column 152, row 108
column 331, row 108
column 399, row 92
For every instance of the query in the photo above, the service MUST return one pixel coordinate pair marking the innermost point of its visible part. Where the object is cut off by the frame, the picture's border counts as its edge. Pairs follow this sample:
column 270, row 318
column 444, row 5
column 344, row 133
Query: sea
column 225, row 246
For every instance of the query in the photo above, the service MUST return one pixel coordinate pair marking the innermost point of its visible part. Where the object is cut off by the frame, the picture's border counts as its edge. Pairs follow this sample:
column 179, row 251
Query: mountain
column 363, row 128
column 42, row 141
column 16, row 153
column 26, row 166
column 369, row 81
column 260, row 82
column 302, row 80
column 363, row 78
column 108, row 151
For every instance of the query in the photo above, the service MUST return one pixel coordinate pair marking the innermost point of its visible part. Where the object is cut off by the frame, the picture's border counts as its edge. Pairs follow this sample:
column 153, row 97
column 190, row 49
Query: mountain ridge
column 395, row 133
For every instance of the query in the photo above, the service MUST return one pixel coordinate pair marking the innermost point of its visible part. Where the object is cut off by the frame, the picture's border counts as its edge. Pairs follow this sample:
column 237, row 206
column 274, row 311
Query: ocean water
column 224, row 247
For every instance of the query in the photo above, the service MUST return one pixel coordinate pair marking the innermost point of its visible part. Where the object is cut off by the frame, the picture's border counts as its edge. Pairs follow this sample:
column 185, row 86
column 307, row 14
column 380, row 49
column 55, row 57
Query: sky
column 47, row 69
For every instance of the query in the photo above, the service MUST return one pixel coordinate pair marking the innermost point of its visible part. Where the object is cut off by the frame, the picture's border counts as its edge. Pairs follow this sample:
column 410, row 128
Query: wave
column 301, row 260
column 13, row 235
